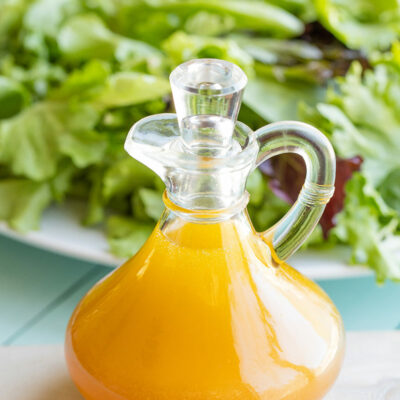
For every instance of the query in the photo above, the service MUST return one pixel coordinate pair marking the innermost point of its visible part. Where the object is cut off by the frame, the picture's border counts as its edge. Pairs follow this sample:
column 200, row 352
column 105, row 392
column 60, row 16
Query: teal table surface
column 39, row 290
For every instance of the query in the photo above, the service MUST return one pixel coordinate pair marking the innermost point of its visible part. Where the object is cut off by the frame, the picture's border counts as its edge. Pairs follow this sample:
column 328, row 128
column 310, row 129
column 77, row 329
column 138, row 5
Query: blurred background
column 76, row 74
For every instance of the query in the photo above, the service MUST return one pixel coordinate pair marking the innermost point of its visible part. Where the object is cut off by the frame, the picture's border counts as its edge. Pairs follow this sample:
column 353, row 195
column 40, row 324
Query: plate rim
column 335, row 267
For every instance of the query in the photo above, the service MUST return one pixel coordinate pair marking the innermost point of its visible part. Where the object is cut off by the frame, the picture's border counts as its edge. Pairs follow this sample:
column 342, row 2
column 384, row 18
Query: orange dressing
column 201, row 313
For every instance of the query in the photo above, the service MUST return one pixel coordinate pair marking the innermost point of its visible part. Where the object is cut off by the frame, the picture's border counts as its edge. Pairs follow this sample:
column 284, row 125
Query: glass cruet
column 208, row 308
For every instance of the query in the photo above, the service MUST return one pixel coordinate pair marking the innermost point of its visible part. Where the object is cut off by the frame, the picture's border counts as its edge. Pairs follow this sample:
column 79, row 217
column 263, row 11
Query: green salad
column 76, row 74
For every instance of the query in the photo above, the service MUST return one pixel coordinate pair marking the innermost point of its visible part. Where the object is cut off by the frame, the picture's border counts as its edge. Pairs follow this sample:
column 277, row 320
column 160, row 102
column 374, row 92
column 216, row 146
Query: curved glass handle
column 293, row 229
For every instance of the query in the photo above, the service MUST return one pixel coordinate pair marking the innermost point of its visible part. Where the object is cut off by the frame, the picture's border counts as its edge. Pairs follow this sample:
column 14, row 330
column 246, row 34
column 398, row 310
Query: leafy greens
column 75, row 75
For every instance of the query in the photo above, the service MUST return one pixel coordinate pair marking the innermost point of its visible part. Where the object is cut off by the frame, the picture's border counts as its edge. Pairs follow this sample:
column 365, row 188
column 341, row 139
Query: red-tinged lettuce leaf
column 287, row 174
column 345, row 168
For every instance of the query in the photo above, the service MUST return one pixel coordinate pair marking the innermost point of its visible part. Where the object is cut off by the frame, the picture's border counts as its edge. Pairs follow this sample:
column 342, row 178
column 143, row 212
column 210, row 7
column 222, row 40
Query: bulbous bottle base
column 201, row 313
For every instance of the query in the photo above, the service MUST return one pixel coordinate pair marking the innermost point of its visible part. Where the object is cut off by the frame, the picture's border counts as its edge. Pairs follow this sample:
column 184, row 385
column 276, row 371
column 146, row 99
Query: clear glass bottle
column 208, row 308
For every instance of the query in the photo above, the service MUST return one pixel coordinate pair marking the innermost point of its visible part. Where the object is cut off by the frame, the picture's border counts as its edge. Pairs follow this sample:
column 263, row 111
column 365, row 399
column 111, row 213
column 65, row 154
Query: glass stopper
column 207, row 95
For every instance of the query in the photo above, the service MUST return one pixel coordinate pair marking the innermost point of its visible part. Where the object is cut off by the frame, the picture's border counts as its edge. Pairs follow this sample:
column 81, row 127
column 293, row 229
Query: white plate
column 61, row 232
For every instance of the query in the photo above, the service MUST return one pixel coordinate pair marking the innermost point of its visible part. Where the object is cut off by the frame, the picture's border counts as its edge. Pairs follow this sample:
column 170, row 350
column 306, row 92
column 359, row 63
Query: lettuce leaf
column 275, row 100
column 38, row 78
column 209, row 24
column 390, row 190
column 22, row 202
column 83, row 147
column 182, row 47
column 86, row 36
column 363, row 113
column 33, row 142
column 95, row 211
column 304, row 9
column 125, row 176
column 46, row 16
column 128, row 88
column 152, row 201
column 13, row 97
column 278, row 51
column 361, row 24
column 369, row 225
column 11, row 16
column 126, row 236
column 83, row 83
column 255, row 15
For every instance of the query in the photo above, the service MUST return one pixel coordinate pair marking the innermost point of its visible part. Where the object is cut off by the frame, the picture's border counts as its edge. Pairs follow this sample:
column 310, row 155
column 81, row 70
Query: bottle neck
column 204, row 187
column 203, row 214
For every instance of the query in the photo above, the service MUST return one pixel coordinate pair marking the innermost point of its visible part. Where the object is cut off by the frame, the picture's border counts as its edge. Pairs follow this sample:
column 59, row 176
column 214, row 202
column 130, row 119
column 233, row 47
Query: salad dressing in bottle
column 208, row 308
